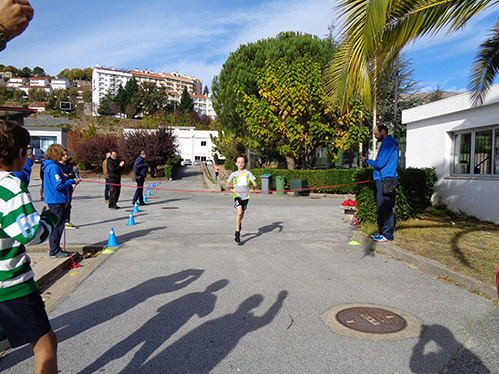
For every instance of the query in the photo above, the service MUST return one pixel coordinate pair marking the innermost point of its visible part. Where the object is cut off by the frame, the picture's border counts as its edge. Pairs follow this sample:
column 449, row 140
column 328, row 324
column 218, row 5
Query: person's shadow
column 73, row 323
column 203, row 348
column 445, row 348
column 158, row 329
column 262, row 230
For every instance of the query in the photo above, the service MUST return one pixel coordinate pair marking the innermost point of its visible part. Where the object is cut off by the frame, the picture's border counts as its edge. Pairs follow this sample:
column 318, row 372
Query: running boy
column 239, row 182
column 22, row 312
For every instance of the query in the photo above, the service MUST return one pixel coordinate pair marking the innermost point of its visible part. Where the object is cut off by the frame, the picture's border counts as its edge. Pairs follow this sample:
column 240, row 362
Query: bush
column 172, row 166
column 414, row 191
column 93, row 151
column 315, row 178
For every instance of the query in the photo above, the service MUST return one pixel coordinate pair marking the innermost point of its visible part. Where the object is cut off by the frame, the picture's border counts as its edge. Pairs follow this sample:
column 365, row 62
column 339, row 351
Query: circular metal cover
column 371, row 320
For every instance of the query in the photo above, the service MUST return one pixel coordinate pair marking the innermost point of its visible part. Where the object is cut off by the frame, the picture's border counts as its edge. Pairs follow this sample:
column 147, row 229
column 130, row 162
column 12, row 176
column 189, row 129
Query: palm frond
column 485, row 67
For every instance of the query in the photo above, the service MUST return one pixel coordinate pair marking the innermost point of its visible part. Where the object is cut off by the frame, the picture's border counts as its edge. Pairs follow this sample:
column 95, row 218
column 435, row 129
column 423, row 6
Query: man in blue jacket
column 140, row 174
column 385, row 167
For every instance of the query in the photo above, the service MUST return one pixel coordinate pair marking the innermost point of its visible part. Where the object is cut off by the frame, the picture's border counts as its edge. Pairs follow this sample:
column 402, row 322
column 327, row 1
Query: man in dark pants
column 114, row 173
column 139, row 173
column 384, row 167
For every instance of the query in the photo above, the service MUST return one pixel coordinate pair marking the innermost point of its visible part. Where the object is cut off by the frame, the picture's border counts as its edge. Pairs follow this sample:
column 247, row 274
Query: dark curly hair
column 12, row 138
column 243, row 156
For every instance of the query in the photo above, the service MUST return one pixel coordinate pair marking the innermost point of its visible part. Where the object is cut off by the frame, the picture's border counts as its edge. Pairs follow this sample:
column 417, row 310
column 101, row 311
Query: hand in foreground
column 15, row 16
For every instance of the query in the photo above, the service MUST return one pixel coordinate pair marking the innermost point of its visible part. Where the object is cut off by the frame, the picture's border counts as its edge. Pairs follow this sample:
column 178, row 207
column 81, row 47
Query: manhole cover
column 170, row 207
column 371, row 320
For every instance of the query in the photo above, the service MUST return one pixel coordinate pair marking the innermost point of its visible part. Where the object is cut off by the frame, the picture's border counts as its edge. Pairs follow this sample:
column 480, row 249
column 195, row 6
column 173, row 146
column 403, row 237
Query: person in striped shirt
column 23, row 318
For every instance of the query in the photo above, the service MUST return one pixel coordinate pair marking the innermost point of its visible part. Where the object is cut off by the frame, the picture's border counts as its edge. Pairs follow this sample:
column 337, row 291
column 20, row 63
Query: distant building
column 39, row 82
column 60, row 84
column 106, row 80
column 194, row 145
column 39, row 106
column 16, row 82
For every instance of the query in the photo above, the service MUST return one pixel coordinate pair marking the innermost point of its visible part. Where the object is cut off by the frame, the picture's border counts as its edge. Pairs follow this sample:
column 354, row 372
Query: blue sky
column 195, row 37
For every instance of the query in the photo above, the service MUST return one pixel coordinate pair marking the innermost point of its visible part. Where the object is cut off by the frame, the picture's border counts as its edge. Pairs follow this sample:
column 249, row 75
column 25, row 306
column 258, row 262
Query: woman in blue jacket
column 56, row 195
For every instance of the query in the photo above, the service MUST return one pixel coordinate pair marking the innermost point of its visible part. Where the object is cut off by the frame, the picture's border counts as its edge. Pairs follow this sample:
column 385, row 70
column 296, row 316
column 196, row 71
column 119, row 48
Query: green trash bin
column 279, row 184
column 297, row 184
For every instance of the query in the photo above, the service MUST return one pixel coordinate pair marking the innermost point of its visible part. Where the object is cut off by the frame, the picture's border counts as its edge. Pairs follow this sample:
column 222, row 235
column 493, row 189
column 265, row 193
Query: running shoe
column 381, row 239
column 237, row 237
column 70, row 226
column 374, row 236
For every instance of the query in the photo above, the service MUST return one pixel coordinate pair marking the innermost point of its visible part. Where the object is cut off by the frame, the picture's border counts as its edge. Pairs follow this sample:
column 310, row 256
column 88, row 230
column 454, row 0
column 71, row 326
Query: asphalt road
column 179, row 296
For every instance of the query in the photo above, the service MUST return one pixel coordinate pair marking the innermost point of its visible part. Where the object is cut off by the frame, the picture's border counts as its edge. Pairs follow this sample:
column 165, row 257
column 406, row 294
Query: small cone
column 136, row 208
column 108, row 251
column 154, row 184
column 112, row 242
column 166, row 180
column 148, row 192
column 131, row 221
column 159, row 182
column 145, row 199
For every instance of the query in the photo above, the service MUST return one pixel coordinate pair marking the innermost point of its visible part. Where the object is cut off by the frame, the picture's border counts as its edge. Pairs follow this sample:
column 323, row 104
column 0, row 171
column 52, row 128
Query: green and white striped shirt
column 20, row 225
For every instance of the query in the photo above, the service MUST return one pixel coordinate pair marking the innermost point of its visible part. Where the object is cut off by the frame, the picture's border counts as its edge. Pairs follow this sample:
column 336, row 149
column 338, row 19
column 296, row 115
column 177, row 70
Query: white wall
column 430, row 130
column 189, row 142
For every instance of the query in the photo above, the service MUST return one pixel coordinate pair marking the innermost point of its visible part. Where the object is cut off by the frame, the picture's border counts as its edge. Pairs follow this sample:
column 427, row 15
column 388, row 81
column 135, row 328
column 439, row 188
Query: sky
column 195, row 38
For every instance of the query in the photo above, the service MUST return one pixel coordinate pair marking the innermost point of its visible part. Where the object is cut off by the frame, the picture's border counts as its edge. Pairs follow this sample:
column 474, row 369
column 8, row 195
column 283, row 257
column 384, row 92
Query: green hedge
column 315, row 178
column 414, row 191
column 172, row 166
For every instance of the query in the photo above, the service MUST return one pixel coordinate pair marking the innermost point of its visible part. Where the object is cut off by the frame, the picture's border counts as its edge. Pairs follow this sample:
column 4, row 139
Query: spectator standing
column 23, row 318
column 56, row 195
column 114, row 176
column 140, row 174
column 106, row 176
column 384, row 167
column 67, row 169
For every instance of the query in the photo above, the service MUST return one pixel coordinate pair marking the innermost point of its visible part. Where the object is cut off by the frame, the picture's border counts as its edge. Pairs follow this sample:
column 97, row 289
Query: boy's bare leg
column 239, row 218
column 45, row 349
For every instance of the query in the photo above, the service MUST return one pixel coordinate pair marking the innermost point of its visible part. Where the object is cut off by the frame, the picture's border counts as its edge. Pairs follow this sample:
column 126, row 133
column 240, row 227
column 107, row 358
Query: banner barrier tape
column 227, row 191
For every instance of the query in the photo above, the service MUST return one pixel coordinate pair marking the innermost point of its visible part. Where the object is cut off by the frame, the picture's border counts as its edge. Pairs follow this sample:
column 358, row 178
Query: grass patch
column 462, row 243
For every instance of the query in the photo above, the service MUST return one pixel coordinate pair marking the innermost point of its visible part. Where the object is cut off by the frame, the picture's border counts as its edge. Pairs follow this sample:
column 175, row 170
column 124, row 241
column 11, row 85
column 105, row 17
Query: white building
column 16, row 82
column 204, row 105
column 108, row 80
column 194, row 145
column 39, row 82
column 60, row 84
column 462, row 143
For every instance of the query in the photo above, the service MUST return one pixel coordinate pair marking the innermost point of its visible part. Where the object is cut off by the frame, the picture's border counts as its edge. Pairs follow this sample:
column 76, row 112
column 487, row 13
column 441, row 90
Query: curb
column 427, row 265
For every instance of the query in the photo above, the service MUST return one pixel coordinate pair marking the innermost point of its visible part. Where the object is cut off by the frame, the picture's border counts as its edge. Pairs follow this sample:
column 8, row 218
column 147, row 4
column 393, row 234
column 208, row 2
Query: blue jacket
column 26, row 173
column 55, row 185
column 385, row 165
column 140, row 168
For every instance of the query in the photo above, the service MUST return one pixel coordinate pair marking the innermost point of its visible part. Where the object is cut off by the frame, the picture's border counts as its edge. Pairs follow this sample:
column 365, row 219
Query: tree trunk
column 291, row 162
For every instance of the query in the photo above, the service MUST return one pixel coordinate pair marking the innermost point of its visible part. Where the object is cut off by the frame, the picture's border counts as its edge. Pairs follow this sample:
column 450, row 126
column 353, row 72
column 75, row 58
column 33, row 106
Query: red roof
column 17, row 109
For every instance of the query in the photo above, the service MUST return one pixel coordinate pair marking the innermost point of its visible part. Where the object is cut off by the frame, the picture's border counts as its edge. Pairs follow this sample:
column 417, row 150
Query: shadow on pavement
column 436, row 347
column 160, row 328
column 262, row 230
column 75, row 322
column 200, row 350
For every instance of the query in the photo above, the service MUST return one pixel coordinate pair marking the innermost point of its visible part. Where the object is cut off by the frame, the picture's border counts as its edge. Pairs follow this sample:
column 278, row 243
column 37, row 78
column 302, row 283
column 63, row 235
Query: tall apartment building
column 106, row 80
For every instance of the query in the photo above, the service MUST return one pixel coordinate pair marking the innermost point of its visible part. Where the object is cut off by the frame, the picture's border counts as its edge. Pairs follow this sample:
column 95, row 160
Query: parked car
column 209, row 162
column 186, row 162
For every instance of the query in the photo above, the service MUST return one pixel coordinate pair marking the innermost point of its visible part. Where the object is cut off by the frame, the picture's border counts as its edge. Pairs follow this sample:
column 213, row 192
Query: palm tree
column 376, row 30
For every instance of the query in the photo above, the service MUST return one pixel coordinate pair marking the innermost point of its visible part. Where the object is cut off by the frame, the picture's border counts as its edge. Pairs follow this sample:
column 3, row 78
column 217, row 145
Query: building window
column 476, row 152
column 203, row 143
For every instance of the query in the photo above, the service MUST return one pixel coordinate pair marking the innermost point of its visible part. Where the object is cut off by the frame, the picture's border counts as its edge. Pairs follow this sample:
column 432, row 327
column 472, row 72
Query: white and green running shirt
column 20, row 225
column 241, row 181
